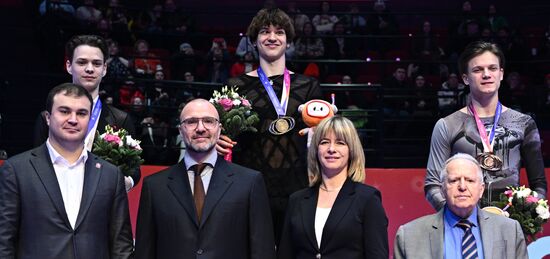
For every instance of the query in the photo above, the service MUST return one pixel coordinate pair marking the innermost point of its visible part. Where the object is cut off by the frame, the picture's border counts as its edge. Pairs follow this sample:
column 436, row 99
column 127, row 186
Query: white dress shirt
column 70, row 178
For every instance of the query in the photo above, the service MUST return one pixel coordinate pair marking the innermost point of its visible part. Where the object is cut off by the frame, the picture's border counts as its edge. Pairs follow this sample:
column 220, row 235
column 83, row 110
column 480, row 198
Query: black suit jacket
column 34, row 223
column 235, row 223
column 356, row 226
column 109, row 116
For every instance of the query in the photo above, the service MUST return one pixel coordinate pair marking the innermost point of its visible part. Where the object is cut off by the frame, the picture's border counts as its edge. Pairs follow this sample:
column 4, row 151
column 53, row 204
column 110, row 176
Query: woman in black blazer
column 337, row 216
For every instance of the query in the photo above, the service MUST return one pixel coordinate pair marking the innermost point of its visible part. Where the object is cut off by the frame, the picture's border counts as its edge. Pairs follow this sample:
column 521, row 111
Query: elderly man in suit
column 204, row 207
column 59, row 200
column 461, row 229
column 86, row 63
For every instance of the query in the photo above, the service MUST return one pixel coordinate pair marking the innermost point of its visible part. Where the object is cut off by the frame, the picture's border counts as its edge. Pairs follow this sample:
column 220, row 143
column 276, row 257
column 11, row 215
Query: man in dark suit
column 59, row 200
column 223, row 212
column 86, row 63
column 460, row 229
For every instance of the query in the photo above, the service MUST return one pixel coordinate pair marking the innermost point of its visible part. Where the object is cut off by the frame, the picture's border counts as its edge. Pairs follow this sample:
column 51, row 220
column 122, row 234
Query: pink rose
column 113, row 139
column 509, row 193
column 226, row 103
column 245, row 102
column 531, row 199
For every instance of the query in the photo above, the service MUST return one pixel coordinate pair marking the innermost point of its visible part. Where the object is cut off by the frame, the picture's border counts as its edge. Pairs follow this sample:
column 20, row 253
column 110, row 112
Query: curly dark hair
column 271, row 16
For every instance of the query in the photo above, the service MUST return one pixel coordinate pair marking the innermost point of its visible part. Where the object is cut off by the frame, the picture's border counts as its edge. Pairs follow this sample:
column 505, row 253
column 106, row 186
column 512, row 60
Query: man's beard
column 197, row 149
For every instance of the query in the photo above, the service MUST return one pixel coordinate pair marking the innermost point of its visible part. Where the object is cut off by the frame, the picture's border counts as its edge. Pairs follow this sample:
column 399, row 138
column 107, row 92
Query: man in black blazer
column 86, row 63
column 232, row 221
column 59, row 200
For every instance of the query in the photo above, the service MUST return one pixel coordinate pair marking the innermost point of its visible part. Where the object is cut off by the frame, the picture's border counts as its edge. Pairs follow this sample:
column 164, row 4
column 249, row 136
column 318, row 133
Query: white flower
column 523, row 193
column 506, row 214
column 133, row 143
column 510, row 199
column 535, row 194
column 234, row 95
column 543, row 212
column 236, row 102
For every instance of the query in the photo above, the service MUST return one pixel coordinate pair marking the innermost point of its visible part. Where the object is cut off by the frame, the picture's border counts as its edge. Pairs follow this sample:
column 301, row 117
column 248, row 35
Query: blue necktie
column 469, row 248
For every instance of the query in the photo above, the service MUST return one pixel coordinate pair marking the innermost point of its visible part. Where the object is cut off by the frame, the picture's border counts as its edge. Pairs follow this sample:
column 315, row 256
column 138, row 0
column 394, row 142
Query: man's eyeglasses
column 193, row 123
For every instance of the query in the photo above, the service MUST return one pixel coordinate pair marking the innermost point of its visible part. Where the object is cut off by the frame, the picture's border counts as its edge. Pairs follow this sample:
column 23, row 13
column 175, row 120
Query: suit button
column 200, row 251
column 318, row 256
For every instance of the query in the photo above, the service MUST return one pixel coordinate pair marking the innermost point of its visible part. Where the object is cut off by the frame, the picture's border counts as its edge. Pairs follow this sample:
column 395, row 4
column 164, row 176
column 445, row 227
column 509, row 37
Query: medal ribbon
column 95, row 116
column 280, row 107
column 487, row 141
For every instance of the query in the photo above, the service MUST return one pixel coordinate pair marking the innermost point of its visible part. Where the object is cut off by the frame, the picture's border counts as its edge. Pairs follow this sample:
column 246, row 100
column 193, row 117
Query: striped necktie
column 469, row 248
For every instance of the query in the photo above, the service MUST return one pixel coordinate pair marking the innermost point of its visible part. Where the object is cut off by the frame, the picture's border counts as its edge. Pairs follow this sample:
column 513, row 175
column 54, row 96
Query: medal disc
column 490, row 162
column 281, row 125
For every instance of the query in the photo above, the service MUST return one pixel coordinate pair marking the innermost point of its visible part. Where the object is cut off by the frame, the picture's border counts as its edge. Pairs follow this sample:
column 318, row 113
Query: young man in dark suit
column 59, row 200
column 221, row 211
column 86, row 63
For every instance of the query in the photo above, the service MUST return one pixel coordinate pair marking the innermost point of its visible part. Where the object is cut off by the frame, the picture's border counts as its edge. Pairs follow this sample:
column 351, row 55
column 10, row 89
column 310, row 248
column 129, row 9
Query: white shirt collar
column 56, row 157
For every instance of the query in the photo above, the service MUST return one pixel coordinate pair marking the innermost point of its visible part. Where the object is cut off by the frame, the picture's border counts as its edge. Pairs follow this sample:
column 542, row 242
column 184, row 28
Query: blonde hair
column 343, row 129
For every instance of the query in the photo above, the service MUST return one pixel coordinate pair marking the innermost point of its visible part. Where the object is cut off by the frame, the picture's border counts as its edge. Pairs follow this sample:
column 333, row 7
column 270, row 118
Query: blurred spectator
column 297, row 17
column 147, row 20
column 103, row 28
column 325, row 21
column 514, row 93
column 394, row 87
column 458, row 22
column 186, row 92
column 155, row 142
column 218, row 59
column 513, row 46
column 145, row 62
column 56, row 7
column 426, row 48
column 88, row 14
column 118, row 19
column 127, row 92
column 159, row 94
column 244, row 65
column 309, row 46
column 184, row 60
column 117, row 66
column 545, row 46
column 340, row 47
column 245, row 46
column 451, row 96
column 348, row 99
column 354, row 22
column 423, row 104
column 382, row 23
column 493, row 20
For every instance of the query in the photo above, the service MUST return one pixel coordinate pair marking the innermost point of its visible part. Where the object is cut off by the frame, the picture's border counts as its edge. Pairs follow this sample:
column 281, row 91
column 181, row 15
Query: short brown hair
column 271, row 16
column 67, row 89
column 90, row 40
column 475, row 49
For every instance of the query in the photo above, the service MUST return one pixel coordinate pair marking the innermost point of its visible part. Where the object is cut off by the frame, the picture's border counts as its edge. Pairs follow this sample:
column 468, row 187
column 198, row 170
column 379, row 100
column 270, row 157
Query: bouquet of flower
column 236, row 115
column 118, row 148
column 523, row 205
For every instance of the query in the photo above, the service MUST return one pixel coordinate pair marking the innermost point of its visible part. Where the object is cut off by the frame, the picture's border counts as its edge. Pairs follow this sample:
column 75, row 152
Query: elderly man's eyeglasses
column 193, row 123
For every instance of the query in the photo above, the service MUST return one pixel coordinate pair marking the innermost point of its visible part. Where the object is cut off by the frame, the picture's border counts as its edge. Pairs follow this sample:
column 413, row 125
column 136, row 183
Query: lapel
column 308, row 208
column 105, row 118
column 339, row 209
column 219, row 183
column 178, row 184
column 486, row 231
column 41, row 162
column 92, row 175
column 436, row 234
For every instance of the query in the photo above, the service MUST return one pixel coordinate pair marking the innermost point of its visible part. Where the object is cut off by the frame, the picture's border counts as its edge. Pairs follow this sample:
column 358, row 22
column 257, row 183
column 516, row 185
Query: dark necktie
column 198, row 192
column 469, row 248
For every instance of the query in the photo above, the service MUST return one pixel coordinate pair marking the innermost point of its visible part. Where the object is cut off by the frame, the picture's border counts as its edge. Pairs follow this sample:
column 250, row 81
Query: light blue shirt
column 206, row 174
column 453, row 235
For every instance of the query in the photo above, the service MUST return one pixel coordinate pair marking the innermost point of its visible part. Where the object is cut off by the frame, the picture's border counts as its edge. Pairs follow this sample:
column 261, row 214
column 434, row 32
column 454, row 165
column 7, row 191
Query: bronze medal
column 489, row 161
column 281, row 125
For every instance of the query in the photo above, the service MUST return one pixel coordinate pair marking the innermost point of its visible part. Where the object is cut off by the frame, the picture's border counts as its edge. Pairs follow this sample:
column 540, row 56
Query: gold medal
column 281, row 125
column 489, row 161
